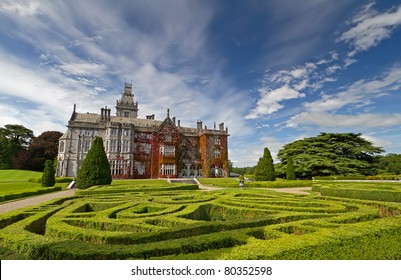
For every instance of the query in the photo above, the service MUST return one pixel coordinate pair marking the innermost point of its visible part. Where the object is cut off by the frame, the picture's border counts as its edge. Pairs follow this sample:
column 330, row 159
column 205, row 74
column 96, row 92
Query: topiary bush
column 48, row 177
column 95, row 169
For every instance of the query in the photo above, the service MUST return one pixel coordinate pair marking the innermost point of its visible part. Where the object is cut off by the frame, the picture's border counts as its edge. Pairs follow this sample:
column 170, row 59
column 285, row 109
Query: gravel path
column 302, row 190
column 11, row 206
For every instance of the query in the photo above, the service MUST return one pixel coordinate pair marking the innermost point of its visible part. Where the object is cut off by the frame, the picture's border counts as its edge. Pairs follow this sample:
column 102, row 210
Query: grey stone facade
column 143, row 148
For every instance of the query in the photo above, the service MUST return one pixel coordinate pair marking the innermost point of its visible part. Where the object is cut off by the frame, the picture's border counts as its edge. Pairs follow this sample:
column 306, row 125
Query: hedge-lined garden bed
column 160, row 221
column 233, row 183
column 368, row 191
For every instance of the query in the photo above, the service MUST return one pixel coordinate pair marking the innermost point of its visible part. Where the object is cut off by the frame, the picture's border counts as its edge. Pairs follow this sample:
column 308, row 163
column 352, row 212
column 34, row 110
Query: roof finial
column 168, row 113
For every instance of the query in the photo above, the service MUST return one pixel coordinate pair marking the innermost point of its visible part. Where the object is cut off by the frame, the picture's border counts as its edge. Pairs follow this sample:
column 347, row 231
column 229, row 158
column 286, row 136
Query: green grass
column 18, row 187
column 14, row 184
column 12, row 175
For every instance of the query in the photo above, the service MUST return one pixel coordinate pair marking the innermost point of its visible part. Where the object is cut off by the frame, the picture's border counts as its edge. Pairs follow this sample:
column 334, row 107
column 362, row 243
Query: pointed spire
column 74, row 113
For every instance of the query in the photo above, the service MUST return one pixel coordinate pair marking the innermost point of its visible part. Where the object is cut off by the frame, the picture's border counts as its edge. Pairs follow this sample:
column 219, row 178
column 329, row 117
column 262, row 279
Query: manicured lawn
column 14, row 184
column 12, row 175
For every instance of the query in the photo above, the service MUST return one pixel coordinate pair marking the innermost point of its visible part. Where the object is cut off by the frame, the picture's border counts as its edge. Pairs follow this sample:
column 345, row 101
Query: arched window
column 61, row 147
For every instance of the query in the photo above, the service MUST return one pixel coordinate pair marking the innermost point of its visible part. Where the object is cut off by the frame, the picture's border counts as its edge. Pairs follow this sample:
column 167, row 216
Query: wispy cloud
column 25, row 8
column 324, row 112
column 369, row 28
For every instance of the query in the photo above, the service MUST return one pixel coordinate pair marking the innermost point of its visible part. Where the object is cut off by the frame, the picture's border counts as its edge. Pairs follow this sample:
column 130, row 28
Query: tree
column 264, row 170
column 48, row 178
column 14, row 141
column 5, row 153
column 18, row 134
column 289, row 170
column 390, row 163
column 332, row 154
column 95, row 169
column 44, row 147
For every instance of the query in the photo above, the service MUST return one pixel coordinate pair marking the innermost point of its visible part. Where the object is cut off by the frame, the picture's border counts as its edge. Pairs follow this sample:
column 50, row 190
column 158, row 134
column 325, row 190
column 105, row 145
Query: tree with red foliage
column 44, row 147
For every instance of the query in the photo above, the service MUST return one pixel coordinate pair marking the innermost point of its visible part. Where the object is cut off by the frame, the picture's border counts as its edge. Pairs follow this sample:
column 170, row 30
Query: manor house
column 144, row 148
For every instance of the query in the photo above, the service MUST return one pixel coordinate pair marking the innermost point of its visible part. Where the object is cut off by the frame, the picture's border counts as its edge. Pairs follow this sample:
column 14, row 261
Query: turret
column 126, row 107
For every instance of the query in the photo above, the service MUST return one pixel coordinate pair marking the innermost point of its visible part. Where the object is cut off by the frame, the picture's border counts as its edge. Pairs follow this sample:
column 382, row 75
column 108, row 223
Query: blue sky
column 272, row 71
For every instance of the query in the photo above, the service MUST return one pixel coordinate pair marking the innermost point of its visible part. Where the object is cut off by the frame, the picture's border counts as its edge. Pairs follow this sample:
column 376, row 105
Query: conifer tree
column 265, row 168
column 48, row 178
column 95, row 169
column 290, row 170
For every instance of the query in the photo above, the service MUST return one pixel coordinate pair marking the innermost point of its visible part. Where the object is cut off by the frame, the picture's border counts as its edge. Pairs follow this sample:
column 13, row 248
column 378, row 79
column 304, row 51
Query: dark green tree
column 14, row 141
column 48, row 178
column 18, row 134
column 290, row 170
column 332, row 154
column 95, row 169
column 264, row 170
column 390, row 164
column 5, row 153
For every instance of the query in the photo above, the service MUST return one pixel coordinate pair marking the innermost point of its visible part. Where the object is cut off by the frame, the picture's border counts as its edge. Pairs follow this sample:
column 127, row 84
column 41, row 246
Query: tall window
column 113, row 146
column 216, row 153
column 86, row 145
column 217, row 141
column 126, row 114
column 125, row 146
column 61, row 147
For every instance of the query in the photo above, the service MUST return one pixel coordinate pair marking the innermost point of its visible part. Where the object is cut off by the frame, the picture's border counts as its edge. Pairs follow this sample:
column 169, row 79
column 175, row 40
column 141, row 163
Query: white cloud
column 83, row 68
column 329, row 120
column 379, row 142
column 370, row 28
column 24, row 8
column 269, row 101
column 324, row 112
column 360, row 92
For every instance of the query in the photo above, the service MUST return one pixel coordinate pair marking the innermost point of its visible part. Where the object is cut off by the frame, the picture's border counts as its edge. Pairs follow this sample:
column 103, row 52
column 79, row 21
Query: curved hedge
column 172, row 223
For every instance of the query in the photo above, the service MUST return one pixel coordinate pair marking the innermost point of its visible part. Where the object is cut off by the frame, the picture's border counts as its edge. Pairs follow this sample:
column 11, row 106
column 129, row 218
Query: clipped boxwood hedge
column 7, row 197
column 175, row 223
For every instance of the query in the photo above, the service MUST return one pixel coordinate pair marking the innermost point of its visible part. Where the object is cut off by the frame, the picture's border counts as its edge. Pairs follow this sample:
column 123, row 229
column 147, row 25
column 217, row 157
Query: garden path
column 26, row 202
column 302, row 190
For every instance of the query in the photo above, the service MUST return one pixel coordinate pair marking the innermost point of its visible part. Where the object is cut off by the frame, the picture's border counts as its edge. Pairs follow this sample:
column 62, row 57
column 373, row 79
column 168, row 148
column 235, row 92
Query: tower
column 126, row 107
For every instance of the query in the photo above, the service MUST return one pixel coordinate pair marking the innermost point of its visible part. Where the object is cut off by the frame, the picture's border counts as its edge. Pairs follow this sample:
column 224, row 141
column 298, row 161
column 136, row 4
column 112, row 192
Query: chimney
column 173, row 120
column 221, row 126
column 179, row 123
column 108, row 114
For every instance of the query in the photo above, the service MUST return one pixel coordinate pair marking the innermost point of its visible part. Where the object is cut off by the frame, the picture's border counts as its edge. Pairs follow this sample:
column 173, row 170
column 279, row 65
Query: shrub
column 290, row 170
column 48, row 178
column 264, row 170
column 95, row 169
column 384, row 177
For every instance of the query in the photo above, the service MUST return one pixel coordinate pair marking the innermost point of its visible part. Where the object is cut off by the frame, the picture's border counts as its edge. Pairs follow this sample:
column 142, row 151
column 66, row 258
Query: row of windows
column 112, row 146
column 124, row 132
column 119, row 167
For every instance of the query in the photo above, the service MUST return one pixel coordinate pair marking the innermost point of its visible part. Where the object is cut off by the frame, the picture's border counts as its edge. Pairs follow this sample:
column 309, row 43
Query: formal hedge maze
column 180, row 223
